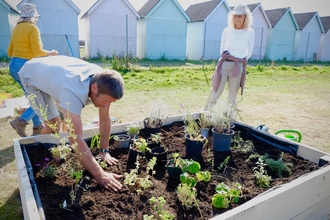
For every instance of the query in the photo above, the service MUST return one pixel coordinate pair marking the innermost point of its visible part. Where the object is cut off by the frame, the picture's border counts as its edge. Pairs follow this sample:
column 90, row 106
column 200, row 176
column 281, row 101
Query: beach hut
column 281, row 37
column 162, row 30
column 8, row 18
column 308, row 36
column 58, row 25
column 324, row 48
column 110, row 29
column 207, row 21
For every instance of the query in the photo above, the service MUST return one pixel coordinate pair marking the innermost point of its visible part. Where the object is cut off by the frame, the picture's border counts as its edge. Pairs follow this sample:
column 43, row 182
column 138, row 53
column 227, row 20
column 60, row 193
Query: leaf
column 220, row 201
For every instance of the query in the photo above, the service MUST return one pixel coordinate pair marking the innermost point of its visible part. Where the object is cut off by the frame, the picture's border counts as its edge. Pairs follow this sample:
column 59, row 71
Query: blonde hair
column 247, row 21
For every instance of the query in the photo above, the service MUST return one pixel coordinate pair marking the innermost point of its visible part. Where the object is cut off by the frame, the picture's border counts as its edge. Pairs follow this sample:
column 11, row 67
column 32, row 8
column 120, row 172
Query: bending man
column 74, row 83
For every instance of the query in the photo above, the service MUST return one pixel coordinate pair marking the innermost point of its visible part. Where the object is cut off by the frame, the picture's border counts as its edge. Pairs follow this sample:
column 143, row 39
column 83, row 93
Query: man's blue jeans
column 14, row 67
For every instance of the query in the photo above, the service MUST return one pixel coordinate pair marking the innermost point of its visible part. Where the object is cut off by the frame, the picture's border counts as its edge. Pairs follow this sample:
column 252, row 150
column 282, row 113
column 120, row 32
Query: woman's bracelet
column 103, row 151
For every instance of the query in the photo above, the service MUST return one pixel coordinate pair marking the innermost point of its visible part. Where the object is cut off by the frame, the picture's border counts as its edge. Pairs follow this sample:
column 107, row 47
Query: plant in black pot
column 194, row 139
column 155, row 120
column 222, row 118
column 205, row 124
column 158, row 150
column 139, row 147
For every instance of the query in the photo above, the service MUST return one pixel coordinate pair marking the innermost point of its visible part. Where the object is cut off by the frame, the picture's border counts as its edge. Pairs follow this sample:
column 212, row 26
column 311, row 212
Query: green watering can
column 292, row 135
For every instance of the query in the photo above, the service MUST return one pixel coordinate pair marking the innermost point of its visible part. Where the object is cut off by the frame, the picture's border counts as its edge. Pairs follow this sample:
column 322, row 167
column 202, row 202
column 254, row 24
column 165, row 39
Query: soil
column 94, row 202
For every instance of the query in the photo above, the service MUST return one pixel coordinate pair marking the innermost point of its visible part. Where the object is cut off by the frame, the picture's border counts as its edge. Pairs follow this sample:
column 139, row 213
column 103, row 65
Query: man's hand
column 109, row 181
column 106, row 157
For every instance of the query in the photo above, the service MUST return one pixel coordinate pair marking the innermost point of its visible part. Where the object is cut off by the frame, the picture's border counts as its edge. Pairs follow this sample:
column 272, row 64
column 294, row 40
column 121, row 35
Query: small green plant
column 262, row 179
column 158, row 206
column 151, row 165
column 141, row 145
column 226, row 195
column 223, row 166
column 187, row 195
column 102, row 163
column 138, row 183
column 279, row 166
column 156, row 138
column 241, row 145
column 133, row 128
column 75, row 187
column 191, row 127
column 95, row 142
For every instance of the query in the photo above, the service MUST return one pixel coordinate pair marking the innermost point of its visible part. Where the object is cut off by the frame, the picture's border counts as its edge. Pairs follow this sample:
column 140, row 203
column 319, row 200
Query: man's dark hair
column 110, row 83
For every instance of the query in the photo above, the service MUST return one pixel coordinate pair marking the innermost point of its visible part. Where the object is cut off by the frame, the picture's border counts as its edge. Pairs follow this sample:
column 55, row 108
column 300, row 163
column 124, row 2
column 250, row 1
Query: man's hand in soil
column 109, row 181
column 106, row 157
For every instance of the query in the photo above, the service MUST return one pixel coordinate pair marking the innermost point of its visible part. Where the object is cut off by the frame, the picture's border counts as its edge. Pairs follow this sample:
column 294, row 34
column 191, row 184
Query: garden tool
column 292, row 135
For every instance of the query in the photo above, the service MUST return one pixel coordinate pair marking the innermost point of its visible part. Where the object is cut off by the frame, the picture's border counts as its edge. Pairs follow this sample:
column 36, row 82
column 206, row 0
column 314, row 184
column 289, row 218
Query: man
column 73, row 83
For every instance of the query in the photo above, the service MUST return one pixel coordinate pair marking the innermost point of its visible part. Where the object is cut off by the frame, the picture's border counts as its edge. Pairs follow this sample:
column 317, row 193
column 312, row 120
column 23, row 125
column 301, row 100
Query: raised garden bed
column 306, row 197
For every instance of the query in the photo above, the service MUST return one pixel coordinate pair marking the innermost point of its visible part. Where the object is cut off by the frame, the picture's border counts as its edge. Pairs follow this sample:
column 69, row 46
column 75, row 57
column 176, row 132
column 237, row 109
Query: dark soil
column 97, row 203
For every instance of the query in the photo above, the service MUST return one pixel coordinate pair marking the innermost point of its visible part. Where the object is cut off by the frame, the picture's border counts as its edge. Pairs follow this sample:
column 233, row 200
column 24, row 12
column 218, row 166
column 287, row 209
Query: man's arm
column 107, row 180
column 104, row 130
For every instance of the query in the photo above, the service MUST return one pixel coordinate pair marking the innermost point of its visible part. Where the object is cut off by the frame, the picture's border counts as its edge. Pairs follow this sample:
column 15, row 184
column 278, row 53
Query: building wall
column 165, row 33
column 8, row 21
column 280, row 40
column 324, row 48
column 308, row 41
column 112, row 30
column 214, row 26
column 195, row 42
column 58, row 19
column 260, row 27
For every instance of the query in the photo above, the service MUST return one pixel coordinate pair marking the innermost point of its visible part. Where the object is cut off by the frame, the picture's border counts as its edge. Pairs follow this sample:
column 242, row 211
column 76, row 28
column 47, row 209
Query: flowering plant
column 48, row 170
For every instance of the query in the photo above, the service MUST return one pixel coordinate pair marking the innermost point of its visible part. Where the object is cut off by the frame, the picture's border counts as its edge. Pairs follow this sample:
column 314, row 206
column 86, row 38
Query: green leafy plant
column 223, row 166
column 226, row 195
column 262, row 179
column 156, row 138
column 151, row 165
column 158, row 206
column 95, row 142
column 141, row 144
column 134, row 180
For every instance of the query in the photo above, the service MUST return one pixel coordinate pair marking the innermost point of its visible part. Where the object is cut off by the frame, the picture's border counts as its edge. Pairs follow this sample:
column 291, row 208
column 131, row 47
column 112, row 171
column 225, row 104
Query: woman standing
column 237, row 42
column 25, row 44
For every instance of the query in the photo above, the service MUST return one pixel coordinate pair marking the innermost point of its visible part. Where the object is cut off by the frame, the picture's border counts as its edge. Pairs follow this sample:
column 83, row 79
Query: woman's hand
column 52, row 53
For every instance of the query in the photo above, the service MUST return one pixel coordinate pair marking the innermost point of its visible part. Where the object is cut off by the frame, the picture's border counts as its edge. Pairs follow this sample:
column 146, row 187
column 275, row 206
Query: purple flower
column 47, row 159
column 37, row 165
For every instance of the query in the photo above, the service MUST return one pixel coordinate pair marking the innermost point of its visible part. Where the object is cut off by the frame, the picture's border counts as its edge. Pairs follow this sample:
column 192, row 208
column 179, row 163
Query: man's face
column 100, row 100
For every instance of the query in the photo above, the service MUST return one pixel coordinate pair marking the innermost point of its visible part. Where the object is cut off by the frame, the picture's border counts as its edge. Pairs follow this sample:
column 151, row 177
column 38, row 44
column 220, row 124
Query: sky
column 297, row 6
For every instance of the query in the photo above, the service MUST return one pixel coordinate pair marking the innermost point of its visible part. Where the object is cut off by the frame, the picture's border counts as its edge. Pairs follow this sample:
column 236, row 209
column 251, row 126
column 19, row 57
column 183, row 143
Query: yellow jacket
column 26, row 42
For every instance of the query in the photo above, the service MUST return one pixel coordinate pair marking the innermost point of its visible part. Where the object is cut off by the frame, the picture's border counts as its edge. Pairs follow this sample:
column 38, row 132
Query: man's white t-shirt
column 65, row 79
